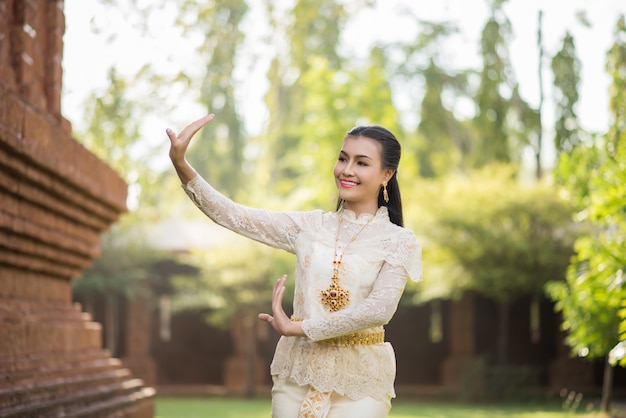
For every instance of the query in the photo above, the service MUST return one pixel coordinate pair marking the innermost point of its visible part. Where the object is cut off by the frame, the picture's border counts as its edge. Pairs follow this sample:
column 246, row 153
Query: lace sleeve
column 277, row 229
column 377, row 309
column 408, row 255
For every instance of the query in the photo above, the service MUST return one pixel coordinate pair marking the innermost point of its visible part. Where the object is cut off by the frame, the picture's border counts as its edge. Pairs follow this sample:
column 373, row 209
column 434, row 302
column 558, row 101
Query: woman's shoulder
column 311, row 218
column 405, row 250
column 400, row 236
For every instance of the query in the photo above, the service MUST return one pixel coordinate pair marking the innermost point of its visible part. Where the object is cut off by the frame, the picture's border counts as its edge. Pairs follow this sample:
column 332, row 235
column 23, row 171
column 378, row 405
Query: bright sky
column 87, row 57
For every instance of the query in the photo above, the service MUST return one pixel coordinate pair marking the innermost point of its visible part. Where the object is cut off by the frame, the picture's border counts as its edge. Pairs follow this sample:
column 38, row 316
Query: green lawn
column 212, row 407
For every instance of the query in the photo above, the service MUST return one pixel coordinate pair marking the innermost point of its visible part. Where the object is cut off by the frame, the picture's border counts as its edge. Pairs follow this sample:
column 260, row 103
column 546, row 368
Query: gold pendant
column 335, row 297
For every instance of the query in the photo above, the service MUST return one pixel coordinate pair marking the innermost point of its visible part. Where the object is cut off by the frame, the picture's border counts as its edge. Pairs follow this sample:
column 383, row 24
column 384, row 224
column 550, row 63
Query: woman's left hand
column 279, row 319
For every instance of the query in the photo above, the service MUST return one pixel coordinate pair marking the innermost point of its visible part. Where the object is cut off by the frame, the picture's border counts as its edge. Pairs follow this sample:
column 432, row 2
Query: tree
column 443, row 142
column 113, row 133
column 566, row 70
column 220, row 158
column 312, row 44
column 591, row 299
column 508, row 246
column 492, row 142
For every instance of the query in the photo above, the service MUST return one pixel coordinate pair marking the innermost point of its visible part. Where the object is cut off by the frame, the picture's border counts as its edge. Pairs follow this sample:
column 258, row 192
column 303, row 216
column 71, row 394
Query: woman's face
column 359, row 173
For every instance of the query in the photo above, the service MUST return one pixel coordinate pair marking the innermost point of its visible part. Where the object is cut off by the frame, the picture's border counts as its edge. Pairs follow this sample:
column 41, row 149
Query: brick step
column 101, row 401
column 65, row 370
column 137, row 404
column 52, row 387
column 49, row 361
column 26, row 312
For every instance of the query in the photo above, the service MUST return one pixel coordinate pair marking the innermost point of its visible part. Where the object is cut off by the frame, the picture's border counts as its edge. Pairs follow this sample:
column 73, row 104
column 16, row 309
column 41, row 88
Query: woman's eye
column 342, row 159
column 362, row 163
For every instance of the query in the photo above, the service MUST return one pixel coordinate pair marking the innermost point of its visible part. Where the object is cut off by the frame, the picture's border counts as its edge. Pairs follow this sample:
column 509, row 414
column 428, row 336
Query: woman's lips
column 348, row 183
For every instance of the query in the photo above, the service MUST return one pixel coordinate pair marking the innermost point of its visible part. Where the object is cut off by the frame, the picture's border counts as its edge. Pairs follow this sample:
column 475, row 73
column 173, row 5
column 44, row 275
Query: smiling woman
column 352, row 266
column 370, row 157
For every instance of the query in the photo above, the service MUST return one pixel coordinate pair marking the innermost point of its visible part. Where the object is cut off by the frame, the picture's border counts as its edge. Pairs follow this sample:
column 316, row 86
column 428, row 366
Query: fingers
column 266, row 317
column 279, row 319
column 277, row 295
column 191, row 129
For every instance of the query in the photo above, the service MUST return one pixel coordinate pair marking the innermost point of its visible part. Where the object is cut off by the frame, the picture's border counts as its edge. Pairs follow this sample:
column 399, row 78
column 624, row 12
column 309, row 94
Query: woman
column 351, row 269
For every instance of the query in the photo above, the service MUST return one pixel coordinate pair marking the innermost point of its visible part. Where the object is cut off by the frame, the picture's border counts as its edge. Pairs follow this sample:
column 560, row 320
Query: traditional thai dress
column 343, row 361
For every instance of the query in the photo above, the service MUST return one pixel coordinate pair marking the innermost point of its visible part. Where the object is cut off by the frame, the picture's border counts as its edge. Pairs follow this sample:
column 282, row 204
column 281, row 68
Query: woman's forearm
column 185, row 171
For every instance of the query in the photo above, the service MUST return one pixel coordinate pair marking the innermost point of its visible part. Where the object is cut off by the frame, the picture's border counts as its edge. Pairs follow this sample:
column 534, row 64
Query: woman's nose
column 348, row 169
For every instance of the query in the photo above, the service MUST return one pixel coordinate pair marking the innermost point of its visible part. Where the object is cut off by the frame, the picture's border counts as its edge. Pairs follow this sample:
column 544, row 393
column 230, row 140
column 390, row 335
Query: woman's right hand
column 179, row 144
column 279, row 319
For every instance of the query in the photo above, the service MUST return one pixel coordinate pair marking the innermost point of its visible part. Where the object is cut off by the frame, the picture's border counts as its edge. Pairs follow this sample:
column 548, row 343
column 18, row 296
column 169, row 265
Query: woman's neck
column 360, row 209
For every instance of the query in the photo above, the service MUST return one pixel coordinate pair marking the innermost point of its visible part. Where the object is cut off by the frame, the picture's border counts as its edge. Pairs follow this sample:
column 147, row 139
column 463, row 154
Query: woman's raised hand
column 179, row 144
column 279, row 319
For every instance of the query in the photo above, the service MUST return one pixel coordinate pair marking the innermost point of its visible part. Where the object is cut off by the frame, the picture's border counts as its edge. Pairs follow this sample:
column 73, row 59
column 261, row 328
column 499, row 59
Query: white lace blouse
column 374, row 269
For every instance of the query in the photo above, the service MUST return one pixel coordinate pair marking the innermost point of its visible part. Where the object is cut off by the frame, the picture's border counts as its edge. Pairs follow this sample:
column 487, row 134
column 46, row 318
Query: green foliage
column 220, row 157
column 315, row 31
column 236, row 277
column 574, row 170
column 336, row 101
column 508, row 238
column 443, row 142
column 493, row 145
column 616, row 68
column 118, row 270
column 114, row 135
column 591, row 299
column 114, row 127
column 313, row 99
column 566, row 68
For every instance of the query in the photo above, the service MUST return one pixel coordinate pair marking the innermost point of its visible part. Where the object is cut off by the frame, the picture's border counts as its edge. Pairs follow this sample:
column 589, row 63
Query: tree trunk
column 539, row 168
column 607, row 387
column 503, row 331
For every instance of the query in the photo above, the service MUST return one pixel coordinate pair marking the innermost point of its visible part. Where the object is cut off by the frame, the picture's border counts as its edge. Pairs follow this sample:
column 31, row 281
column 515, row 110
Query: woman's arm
column 376, row 310
column 277, row 229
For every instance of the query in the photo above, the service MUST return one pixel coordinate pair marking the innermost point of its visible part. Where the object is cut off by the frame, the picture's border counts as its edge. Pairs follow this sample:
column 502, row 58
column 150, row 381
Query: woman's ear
column 388, row 174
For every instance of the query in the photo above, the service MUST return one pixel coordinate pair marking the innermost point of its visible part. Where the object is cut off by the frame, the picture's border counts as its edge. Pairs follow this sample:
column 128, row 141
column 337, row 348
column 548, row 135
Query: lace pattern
column 374, row 268
column 355, row 372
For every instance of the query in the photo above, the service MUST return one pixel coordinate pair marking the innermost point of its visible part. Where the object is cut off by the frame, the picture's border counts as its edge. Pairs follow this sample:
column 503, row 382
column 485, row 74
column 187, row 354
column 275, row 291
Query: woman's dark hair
column 390, row 159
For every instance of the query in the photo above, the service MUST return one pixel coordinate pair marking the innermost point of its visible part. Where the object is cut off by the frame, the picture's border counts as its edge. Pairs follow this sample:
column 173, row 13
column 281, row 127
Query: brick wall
column 56, row 199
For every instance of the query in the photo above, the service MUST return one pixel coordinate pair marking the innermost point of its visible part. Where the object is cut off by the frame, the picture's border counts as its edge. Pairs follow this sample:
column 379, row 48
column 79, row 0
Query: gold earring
column 385, row 194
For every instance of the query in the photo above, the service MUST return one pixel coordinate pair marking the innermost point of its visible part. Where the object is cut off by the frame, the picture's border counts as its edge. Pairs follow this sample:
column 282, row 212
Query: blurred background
column 511, row 115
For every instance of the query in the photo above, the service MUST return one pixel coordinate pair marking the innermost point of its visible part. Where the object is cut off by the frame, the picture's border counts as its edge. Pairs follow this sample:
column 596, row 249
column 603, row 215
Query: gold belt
column 357, row 338
column 354, row 338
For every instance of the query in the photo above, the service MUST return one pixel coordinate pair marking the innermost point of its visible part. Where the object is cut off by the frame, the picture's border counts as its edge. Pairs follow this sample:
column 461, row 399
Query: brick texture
column 56, row 199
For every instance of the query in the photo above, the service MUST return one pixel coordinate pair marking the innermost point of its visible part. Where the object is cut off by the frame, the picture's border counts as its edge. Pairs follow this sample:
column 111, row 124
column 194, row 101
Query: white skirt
column 290, row 400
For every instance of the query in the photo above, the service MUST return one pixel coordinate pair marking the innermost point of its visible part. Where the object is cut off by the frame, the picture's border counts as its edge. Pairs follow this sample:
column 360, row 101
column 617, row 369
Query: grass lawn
column 213, row 407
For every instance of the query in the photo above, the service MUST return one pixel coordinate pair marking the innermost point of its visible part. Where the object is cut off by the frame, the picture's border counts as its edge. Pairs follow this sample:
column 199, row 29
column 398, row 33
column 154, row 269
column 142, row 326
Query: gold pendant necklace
column 335, row 297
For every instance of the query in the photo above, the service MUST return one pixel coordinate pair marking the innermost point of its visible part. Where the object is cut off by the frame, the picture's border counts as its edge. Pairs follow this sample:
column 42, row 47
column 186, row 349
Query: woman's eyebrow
column 356, row 156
